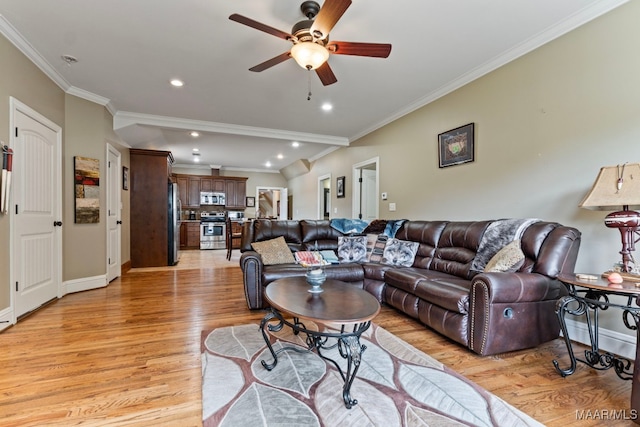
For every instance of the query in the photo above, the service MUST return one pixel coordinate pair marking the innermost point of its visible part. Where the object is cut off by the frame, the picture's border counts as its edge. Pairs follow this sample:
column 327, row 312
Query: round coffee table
column 338, row 302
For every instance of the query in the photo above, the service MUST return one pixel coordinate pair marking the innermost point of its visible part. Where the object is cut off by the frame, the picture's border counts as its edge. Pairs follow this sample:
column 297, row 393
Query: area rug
column 397, row 385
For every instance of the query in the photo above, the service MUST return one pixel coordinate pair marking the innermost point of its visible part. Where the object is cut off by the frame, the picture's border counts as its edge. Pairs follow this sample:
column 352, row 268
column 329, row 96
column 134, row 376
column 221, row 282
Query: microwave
column 209, row 198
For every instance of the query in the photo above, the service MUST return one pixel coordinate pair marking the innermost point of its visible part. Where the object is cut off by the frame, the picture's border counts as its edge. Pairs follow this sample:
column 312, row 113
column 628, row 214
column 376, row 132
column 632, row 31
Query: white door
column 113, row 213
column 368, row 199
column 36, row 211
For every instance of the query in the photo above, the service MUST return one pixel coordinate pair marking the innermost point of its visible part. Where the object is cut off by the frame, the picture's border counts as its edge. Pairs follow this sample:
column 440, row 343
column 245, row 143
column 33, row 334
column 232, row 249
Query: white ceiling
column 127, row 52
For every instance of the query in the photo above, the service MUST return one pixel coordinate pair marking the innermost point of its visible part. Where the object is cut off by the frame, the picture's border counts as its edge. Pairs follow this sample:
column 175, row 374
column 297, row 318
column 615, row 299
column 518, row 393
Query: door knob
column 57, row 223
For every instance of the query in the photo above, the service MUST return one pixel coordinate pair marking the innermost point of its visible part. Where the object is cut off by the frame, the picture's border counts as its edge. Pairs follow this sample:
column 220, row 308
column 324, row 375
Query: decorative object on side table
column 619, row 187
column 315, row 277
column 456, row 146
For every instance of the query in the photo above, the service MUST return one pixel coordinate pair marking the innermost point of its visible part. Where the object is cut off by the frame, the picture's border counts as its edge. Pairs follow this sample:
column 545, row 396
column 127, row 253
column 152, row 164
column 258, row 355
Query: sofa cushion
column 508, row 259
column 352, row 249
column 274, row 251
column 318, row 232
column 399, row 253
column 442, row 289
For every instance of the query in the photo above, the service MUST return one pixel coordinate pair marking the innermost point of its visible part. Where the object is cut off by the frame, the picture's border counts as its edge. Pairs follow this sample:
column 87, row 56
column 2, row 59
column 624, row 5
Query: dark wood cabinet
column 182, row 190
column 149, row 178
column 219, row 185
column 206, row 184
column 183, row 235
column 193, row 192
column 193, row 235
column 236, row 191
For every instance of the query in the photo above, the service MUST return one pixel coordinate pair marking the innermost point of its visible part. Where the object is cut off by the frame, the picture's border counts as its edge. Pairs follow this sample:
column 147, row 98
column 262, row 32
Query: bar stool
column 230, row 236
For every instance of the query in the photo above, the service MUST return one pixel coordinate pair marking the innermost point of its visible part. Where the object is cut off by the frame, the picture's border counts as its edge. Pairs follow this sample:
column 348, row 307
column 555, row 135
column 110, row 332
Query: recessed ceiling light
column 177, row 83
column 196, row 159
column 295, row 144
column 268, row 164
column 280, row 156
column 194, row 134
column 196, row 150
column 327, row 107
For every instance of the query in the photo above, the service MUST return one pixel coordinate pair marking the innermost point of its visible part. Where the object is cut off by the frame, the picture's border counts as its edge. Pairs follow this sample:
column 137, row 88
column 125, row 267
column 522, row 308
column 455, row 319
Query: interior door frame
column 356, row 201
column 321, row 187
column 16, row 106
column 118, row 202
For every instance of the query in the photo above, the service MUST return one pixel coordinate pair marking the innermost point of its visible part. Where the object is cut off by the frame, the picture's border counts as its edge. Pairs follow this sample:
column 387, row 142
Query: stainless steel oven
column 212, row 230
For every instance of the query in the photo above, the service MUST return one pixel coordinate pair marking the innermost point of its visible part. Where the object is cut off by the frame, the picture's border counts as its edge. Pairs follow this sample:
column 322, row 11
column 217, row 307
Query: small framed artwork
column 340, row 186
column 456, row 146
column 125, row 178
column 250, row 202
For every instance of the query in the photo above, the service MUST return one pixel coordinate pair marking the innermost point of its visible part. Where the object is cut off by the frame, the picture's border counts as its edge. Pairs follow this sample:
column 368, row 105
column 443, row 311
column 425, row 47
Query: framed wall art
column 87, row 189
column 456, row 146
column 340, row 186
column 125, row 178
column 250, row 202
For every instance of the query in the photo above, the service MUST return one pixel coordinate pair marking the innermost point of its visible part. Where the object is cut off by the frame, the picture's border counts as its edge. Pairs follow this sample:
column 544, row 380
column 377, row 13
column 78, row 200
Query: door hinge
column 16, row 132
column 17, row 287
column 16, row 209
column 360, row 179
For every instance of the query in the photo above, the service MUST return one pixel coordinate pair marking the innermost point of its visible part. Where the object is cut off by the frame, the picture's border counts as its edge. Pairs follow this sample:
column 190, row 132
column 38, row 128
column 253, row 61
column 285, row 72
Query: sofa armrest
column 251, row 265
column 511, row 311
column 516, row 287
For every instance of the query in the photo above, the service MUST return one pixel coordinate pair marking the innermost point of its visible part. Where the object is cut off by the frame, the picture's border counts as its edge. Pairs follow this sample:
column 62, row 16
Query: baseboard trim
column 614, row 342
column 126, row 267
column 6, row 318
column 84, row 284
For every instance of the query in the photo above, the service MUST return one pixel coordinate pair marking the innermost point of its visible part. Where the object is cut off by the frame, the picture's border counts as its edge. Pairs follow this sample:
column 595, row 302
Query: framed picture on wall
column 340, row 186
column 250, row 202
column 125, row 178
column 456, row 146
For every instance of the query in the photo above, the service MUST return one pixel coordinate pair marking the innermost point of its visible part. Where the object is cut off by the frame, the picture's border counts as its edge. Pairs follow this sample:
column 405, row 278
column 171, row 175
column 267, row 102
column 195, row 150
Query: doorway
column 324, row 196
column 114, row 197
column 272, row 202
column 366, row 188
column 35, row 210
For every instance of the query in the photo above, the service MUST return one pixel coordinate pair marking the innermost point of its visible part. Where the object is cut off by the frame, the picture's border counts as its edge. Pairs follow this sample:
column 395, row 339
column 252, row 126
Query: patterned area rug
column 397, row 385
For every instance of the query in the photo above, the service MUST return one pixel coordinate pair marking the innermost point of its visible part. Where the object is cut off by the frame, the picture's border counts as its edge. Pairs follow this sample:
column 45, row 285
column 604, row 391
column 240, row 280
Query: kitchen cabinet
column 183, row 235
column 193, row 235
column 236, row 191
column 149, row 178
column 190, row 186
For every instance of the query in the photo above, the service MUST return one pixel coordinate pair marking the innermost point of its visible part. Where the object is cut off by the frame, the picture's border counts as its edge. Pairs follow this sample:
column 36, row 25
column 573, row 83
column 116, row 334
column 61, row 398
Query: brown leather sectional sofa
column 489, row 313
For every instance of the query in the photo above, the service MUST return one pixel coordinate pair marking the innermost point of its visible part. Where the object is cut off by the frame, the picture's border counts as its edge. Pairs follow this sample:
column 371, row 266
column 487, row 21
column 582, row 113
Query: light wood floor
column 129, row 354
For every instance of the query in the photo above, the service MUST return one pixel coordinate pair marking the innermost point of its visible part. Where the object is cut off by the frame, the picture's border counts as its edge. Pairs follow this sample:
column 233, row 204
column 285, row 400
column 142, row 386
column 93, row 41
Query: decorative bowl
column 315, row 277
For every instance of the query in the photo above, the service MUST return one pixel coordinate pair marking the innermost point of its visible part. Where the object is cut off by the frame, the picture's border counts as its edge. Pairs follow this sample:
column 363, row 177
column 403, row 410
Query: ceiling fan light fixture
column 309, row 55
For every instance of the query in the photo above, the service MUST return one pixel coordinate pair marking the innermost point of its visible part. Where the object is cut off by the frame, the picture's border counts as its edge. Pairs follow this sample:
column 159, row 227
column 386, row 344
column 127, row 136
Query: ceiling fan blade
column 326, row 74
column 330, row 12
column 271, row 62
column 376, row 50
column 259, row 26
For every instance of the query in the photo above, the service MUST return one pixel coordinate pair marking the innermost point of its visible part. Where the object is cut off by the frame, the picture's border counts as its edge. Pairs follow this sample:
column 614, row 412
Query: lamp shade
column 615, row 187
column 309, row 55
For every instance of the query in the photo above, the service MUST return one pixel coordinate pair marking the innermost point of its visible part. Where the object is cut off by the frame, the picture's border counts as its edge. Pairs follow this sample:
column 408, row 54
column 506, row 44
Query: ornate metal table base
column 589, row 305
column 347, row 343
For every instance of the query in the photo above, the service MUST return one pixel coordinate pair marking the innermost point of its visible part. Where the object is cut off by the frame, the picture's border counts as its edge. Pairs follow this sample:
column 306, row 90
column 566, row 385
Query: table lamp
column 619, row 187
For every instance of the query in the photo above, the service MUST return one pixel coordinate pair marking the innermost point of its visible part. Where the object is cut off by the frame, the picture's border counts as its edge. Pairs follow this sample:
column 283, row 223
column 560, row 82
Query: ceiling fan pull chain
column 309, row 79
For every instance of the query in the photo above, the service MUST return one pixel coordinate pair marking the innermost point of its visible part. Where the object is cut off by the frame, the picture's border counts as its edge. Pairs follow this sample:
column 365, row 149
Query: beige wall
column 24, row 81
column 88, row 129
column 545, row 124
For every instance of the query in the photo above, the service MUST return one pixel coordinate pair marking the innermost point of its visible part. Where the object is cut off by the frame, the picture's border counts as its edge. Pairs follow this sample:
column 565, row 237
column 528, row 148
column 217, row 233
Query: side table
column 588, row 298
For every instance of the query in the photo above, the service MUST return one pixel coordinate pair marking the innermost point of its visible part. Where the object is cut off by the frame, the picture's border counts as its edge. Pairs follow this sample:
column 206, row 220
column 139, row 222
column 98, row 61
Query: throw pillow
column 399, row 253
column 330, row 256
column 352, row 249
column 508, row 259
column 375, row 247
column 274, row 251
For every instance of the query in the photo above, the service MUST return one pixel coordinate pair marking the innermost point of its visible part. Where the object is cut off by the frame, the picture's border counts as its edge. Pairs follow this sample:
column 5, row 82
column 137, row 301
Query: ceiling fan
column 310, row 37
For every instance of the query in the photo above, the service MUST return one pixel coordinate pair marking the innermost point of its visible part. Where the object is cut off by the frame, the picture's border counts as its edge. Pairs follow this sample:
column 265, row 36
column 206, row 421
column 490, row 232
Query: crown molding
column 574, row 21
column 10, row 32
column 123, row 119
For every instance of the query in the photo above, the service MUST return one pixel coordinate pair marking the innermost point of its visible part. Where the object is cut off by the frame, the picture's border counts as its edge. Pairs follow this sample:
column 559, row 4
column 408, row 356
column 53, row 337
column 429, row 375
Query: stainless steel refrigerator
column 174, row 223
